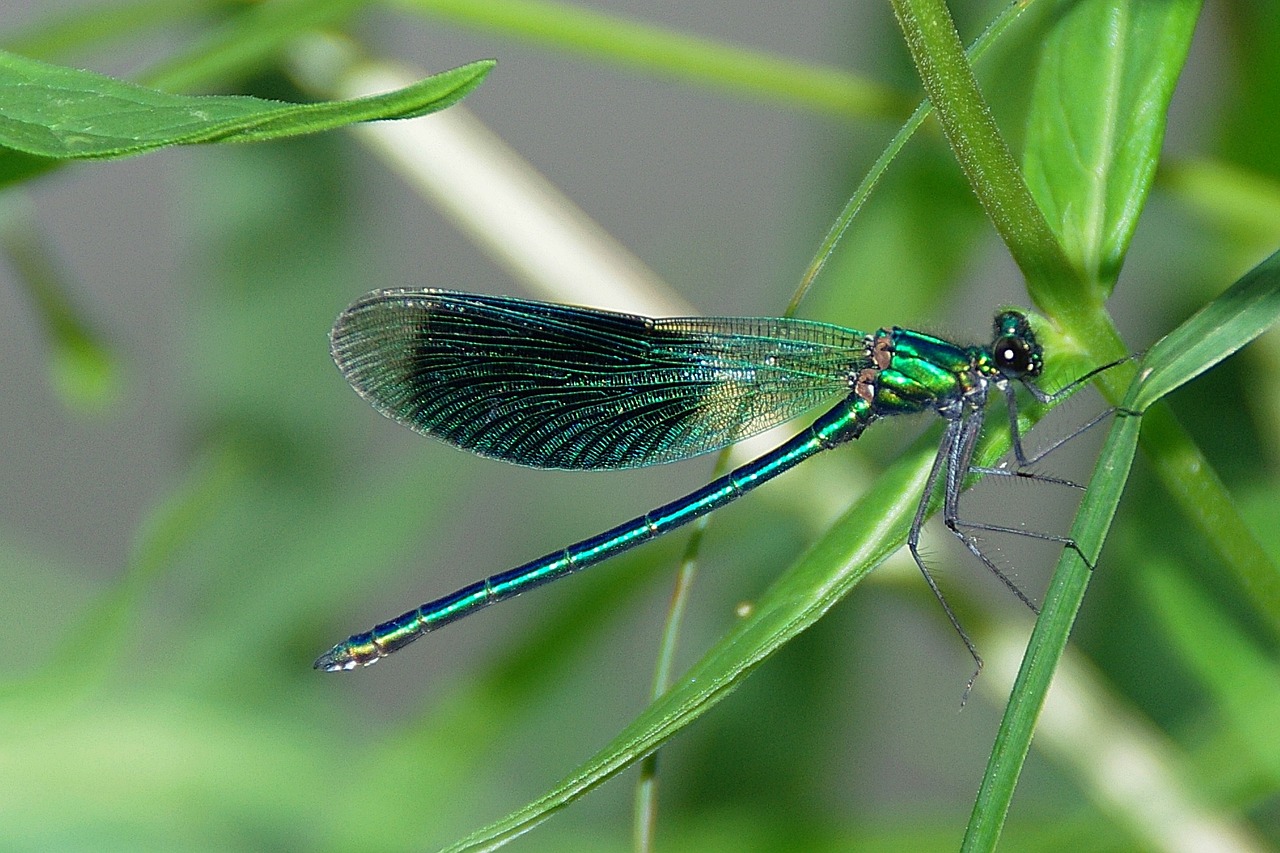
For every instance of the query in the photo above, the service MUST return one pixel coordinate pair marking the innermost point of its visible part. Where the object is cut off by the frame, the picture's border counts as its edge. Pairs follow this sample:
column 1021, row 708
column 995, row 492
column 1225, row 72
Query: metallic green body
column 557, row 386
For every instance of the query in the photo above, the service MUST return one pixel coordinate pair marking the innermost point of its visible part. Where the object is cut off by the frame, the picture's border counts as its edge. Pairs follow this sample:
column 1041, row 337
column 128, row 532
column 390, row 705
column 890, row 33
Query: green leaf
column 1243, row 311
column 1242, row 677
column 62, row 113
column 1097, row 120
column 874, row 528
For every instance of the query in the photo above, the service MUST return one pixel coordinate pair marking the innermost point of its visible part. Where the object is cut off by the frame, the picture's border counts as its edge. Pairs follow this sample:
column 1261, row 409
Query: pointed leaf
column 1097, row 120
column 62, row 113
column 1243, row 311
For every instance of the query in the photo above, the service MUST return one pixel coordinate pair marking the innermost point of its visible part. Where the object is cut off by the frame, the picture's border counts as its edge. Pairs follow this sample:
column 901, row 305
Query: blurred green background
column 196, row 504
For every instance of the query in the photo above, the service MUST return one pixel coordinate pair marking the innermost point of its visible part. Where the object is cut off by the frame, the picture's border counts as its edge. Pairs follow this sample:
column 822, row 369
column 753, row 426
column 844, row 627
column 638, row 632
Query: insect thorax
column 913, row 372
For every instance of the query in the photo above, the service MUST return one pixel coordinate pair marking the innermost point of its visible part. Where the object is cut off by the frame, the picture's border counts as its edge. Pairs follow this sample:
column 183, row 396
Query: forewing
column 554, row 386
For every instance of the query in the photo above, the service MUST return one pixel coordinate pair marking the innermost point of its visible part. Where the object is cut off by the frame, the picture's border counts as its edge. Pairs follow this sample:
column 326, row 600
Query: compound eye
column 1012, row 355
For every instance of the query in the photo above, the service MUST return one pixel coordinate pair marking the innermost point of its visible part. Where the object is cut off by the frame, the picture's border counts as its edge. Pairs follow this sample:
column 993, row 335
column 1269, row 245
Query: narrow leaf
column 1049, row 638
column 869, row 532
column 1242, row 677
column 1243, row 311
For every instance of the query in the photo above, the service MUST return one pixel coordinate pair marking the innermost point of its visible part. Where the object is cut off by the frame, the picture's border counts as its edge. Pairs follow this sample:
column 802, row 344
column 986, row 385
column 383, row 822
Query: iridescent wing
column 554, row 386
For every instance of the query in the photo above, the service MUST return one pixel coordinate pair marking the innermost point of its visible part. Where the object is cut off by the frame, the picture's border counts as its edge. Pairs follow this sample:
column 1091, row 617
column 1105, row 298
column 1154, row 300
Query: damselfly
column 554, row 386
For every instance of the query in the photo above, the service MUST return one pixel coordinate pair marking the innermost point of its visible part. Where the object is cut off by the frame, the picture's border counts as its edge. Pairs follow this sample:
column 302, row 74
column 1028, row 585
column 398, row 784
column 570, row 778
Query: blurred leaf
column 1236, row 317
column 83, row 370
column 1242, row 202
column 145, row 766
column 62, row 113
column 1097, row 120
column 1251, row 122
column 1242, row 677
column 61, row 32
column 248, row 42
column 89, row 650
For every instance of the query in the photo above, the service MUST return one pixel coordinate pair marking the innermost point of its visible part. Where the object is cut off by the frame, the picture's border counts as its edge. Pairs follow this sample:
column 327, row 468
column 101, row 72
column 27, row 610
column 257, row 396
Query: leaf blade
column 1097, row 121
column 63, row 113
column 1241, row 313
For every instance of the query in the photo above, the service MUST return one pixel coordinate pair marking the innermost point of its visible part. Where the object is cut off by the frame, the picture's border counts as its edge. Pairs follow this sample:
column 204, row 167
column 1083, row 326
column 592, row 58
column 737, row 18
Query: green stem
column 1049, row 638
column 646, row 801
column 987, row 162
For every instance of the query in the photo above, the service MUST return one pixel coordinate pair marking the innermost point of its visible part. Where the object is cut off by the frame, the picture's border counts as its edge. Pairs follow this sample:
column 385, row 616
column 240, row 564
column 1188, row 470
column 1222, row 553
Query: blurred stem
column 61, row 33
column 646, row 803
column 82, row 368
column 493, row 195
column 573, row 29
column 89, row 649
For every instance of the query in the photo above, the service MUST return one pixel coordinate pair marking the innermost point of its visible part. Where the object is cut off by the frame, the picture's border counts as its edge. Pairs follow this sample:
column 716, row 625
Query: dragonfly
column 556, row 386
